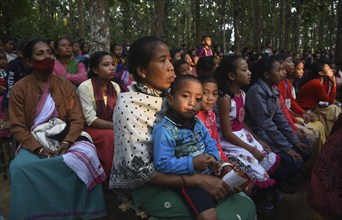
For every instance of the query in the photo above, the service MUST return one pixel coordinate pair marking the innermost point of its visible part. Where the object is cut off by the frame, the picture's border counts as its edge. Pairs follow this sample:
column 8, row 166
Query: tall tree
column 99, row 30
column 297, row 27
column 197, row 17
column 236, row 24
column 257, row 24
column 282, row 23
column 71, row 18
column 338, row 51
column 80, row 10
column 158, row 18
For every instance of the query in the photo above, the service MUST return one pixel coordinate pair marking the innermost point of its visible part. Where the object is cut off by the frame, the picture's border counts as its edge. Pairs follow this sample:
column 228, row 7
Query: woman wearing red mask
column 56, row 171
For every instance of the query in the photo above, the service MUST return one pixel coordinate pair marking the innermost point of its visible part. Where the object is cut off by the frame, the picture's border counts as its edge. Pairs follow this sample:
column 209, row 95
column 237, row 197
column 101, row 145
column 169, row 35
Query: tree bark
column 257, row 23
column 282, row 24
column 71, row 19
column 197, row 22
column 80, row 9
column 338, row 51
column 236, row 24
column 99, row 30
column 297, row 28
column 158, row 18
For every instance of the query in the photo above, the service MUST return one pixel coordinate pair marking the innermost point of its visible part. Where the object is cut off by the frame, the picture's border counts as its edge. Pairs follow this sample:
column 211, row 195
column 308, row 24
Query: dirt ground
column 293, row 207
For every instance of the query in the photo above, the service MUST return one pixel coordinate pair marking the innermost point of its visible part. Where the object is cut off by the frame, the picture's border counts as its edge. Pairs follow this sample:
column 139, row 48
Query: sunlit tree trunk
column 236, row 24
column 80, row 9
column 99, row 30
column 158, row 18
column 338, row 49
column 297, row 27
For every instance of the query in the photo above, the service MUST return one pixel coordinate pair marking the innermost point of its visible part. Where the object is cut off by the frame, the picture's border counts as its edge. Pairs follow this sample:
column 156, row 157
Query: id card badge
column 288, row 103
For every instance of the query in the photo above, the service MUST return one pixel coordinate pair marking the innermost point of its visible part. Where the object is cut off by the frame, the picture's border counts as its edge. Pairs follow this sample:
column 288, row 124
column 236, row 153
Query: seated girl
column 266, row 119
column 98, row 97
column 314, row 97
column 207, row 115
column 237, row 140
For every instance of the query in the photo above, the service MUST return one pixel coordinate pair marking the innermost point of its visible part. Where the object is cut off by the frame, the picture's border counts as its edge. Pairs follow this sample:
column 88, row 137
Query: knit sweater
column 25, row 96
column 313, row 92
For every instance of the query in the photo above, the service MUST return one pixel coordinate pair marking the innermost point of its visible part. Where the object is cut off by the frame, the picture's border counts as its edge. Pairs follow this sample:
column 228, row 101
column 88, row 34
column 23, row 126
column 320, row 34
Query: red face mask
column 44, row 66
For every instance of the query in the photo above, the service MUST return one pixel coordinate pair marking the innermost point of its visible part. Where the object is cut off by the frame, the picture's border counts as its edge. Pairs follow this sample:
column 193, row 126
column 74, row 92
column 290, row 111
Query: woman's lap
column 48, row 189
column 163, row 203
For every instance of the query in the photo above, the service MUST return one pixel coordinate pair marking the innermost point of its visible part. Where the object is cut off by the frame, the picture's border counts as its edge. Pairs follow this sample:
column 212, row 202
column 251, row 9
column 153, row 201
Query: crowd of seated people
column 89, row 123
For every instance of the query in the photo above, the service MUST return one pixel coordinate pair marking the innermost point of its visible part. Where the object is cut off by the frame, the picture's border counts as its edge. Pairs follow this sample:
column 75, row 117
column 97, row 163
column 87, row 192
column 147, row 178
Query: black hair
column 112, row 46
column 3, row 55
column 95, row 60
column 205, row 65
column 176, row 85
column 58, row 40
column 75, row 42
column 297, row 61
column 140, row 54
column 184, row 54
column 264, row 65
column 227, row 65
column 314, row 70
column 83, row 44
column 208, row 79
column 177, row 64
column 28, row 48
column 174, row 51
column 6, row 38
column 204, row 37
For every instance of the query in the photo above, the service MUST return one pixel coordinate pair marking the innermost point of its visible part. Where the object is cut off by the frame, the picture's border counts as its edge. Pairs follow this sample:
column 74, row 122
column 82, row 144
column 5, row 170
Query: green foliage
column 131, row 19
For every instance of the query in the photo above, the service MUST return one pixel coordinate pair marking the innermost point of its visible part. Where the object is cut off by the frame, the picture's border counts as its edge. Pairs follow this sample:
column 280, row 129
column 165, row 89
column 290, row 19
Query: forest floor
column 291, row 206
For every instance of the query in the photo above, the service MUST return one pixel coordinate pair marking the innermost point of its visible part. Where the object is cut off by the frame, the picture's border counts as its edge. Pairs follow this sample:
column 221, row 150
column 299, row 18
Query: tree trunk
column 236, row 24
column 338, row 51
column 297, row 27
column 257, row 23
column 80, row 9
column 287, row 26
column 158, row 18
column 71, row 19
column 331, row 25
column 282, row 24
column 99, row 30
column 197, row 22
column 273, row 38
column 42, row 8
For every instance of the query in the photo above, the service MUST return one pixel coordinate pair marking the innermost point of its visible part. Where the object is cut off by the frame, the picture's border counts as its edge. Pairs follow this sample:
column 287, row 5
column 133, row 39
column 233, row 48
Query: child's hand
column 257, row 154
column 216, row 167
column 264, row 145
column 202, row 162
column 225, row 169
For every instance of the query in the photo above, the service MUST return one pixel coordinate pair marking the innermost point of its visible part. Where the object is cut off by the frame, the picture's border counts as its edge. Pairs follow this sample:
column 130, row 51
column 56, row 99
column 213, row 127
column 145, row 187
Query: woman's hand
column 63, row 148
column 216, row 187
column 45, row 152
column 309, row 118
